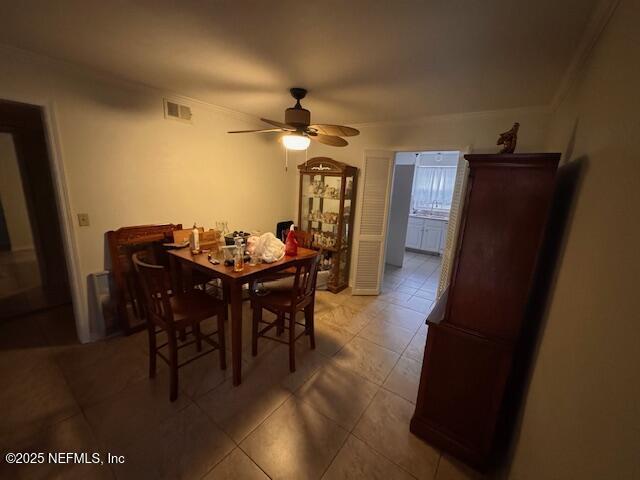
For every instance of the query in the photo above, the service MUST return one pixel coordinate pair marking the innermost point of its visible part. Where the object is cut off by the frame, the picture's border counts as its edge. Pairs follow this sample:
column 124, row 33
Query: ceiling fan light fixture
column 295, row 141
column 299, row 131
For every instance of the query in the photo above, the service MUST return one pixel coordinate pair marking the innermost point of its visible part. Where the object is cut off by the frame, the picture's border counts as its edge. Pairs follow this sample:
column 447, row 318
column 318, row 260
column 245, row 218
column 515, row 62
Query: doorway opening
column 33, row 269
column 423, row 191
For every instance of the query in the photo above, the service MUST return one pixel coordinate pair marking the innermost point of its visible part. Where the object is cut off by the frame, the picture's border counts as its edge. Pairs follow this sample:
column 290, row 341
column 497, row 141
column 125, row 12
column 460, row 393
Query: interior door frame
column 463, row 149
column 65, row 216
column 457, row 148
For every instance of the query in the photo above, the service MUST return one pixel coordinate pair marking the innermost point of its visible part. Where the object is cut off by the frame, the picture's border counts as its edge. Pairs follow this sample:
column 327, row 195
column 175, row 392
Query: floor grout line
column 399, row 396
column 324, row 472
column 379, row 387
column 291, row 393
column 219, row 461
column 382, row 454
column 254, row 462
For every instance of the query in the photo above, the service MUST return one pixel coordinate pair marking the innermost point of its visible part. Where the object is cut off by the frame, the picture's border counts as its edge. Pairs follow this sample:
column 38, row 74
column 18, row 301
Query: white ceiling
column 362, row 61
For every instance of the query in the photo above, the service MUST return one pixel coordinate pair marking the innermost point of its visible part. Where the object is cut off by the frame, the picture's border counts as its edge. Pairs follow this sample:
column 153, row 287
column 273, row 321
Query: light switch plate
column 83, row 219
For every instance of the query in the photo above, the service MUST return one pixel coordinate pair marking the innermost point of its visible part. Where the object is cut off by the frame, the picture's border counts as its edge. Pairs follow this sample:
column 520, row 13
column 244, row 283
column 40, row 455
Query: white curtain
column 433, row 187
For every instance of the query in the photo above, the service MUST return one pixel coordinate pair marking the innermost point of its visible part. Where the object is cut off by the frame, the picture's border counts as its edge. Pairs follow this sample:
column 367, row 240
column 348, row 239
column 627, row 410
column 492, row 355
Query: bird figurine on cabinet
column 509, row 139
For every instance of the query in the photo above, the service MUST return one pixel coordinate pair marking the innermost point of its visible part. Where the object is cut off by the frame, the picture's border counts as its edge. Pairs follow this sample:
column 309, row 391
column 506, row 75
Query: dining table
column 183, row 262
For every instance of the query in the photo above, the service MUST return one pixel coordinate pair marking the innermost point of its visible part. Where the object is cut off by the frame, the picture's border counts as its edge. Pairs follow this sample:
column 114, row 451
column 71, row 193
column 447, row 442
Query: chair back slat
column 286, row 302
column 304, row 284
column 154, row 281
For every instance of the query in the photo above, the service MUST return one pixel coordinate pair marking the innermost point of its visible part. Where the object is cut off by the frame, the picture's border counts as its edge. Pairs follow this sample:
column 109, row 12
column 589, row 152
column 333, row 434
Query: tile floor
column 343, row 414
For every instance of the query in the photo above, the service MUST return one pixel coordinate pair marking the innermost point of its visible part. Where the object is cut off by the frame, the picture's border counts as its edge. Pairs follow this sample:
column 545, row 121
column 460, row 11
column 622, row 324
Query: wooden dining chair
column 285, row 301
column 174, row 314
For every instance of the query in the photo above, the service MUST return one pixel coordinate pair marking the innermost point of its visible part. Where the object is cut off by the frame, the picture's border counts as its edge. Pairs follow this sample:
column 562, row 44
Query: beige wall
column 12, row 196
column 127, row 165
column 582, row 414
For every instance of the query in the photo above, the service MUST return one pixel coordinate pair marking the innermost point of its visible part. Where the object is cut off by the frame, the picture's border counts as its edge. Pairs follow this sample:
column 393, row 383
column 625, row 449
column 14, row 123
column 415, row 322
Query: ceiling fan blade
column 330, row 140
column 281, row 125
column 264, row 130
column 339, row 130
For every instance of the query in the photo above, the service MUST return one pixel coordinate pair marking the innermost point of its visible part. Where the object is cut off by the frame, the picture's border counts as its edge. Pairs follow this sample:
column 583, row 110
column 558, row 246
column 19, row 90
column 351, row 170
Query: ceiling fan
column 299, row 130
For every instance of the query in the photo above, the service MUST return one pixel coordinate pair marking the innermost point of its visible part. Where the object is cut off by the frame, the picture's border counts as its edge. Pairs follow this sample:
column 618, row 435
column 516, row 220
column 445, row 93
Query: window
column 433, row 187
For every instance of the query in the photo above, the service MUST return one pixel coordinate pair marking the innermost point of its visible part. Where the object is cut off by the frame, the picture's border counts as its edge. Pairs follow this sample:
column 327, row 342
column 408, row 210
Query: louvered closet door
column 459, row 189
column 370, row 246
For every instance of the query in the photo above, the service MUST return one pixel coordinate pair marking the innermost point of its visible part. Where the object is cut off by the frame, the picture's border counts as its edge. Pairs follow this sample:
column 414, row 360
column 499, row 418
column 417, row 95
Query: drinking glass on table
column 238, row 257
column 222, row 226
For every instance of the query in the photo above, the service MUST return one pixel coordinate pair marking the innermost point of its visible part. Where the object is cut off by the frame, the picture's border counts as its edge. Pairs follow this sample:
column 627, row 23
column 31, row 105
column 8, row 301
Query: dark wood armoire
column 478, row 328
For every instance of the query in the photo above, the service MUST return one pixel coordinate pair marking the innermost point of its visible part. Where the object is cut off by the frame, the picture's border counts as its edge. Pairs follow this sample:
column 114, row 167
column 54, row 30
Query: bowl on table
column 229, row 238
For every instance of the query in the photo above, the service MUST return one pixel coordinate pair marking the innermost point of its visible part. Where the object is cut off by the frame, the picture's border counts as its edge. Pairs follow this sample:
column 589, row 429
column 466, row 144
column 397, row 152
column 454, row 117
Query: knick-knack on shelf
column 509, row 139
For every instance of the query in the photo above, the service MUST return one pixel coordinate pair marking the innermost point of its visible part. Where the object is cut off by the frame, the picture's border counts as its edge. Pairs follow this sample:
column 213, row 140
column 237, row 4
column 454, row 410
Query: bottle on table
column 194, row 240
column 291, row 245
column 238, row 257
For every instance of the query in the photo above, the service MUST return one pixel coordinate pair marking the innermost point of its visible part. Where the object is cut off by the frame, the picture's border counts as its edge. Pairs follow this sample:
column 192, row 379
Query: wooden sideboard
column 476, row 329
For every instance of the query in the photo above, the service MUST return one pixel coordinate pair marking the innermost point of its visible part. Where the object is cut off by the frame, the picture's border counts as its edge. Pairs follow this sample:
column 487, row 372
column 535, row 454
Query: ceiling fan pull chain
column 286, row 160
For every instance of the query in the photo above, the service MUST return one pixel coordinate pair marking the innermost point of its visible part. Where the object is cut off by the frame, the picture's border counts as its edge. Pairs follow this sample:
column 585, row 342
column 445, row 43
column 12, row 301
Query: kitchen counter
column 430, row 217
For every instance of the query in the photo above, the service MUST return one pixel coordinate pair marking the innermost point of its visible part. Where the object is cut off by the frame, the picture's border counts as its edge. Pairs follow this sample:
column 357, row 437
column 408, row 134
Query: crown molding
column 541, row 109
column 593, row 31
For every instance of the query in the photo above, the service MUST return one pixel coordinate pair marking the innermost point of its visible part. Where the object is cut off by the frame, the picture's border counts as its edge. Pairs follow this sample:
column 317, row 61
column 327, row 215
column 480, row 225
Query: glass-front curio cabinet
column 326, row 208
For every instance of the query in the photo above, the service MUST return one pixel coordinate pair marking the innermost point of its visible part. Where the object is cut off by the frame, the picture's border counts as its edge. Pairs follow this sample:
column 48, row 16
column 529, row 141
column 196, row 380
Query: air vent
column 177, row 111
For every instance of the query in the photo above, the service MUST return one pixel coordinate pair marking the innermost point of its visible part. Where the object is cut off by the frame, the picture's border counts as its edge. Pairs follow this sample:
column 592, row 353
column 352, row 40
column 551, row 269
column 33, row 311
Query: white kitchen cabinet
column 431, row 236
column 414, row 236
column 426, row 234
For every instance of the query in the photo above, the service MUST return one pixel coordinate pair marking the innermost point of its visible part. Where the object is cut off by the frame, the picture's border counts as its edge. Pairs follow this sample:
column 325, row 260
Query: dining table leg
column 175, row 275
column 235, row 297
column 176, row 278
